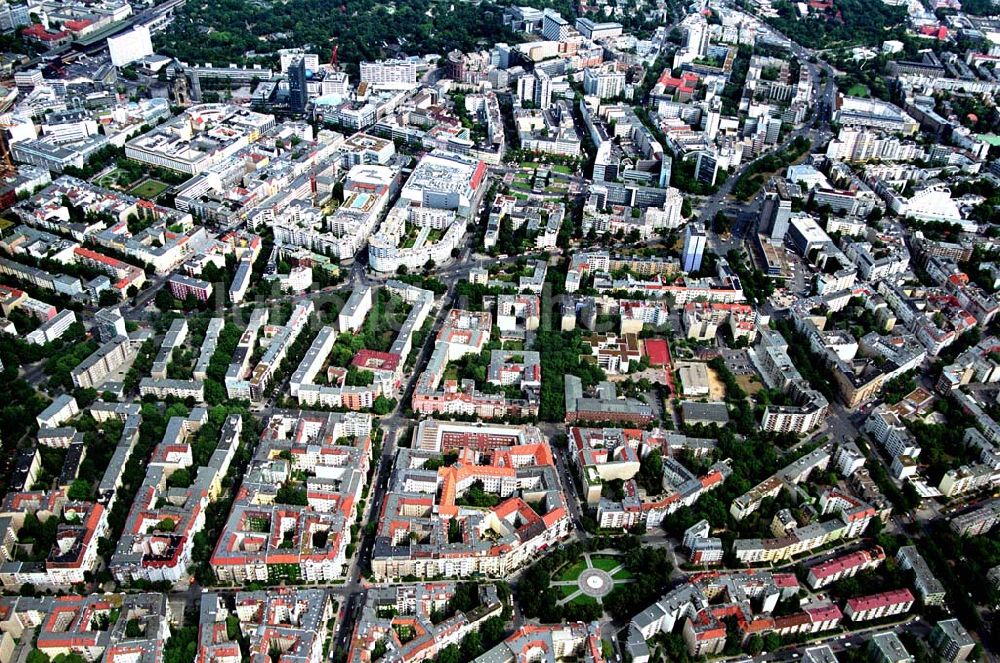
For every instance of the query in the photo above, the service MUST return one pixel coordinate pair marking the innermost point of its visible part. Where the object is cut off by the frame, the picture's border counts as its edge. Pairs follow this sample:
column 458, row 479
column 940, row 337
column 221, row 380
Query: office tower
column 502, row 55
column 774, row 216
column 526, row 88
column 706, row 169
column 712, row 120
column 666, row 169
column 694, row 247
column 298, row 90
column 543, row 89
column 554, row 26
column 773, row 131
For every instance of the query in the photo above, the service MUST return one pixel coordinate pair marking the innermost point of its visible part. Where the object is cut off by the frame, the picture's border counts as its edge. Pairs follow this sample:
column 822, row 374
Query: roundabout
column 596, row 583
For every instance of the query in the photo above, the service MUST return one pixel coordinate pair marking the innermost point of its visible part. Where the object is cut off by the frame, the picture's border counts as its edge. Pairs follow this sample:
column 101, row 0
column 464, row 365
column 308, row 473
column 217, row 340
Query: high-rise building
column 543, row 89
column 13, row 16
column 456, row 65
column 773, row 131
column 526, row 88
column 706, row 169
column 712, row 121
column 666, row 170
column 697, row 37
column 287, row 56
column 298, row 90
column 110, row 324
column 694, row 247
column 554, row 26
column 774, row 216
column 603, row 82
column 505, row 52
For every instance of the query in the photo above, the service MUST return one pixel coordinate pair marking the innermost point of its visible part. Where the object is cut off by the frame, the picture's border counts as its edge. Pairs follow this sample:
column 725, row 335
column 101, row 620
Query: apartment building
column 562, row 641
column 264, row 539
column 64, row 625
column 299, row 619
column 158, row 537
column 952, row 641
column 423, row 506
column 181, row 286
column 878, row 606
column 62, row 408
column 979, row 521
column 386, row 609
column 71, row 560
column 748, row 598
column 107, row 359
column 844, row 566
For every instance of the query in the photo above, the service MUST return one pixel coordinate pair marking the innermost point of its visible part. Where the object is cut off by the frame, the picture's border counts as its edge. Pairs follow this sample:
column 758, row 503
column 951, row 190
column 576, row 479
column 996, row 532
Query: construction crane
column 334, row 64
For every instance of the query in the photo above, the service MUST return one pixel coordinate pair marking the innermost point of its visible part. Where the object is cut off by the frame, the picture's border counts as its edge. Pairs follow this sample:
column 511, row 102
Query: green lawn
column 857, row 90
column 605, row 563
column 568, row 590
column 565, row 170
column 622, row 574
column 583, row 599
column 149, row 189
column 573, row 571
column 529, row 164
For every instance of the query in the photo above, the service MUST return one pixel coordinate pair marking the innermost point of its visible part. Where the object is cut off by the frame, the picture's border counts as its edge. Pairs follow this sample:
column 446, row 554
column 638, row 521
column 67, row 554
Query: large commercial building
column 390, row 74
column 446, row 181
column 875, row 114
column 130, row 46
column 595, row 31
column 201, row 136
